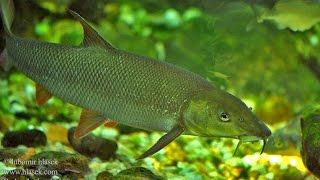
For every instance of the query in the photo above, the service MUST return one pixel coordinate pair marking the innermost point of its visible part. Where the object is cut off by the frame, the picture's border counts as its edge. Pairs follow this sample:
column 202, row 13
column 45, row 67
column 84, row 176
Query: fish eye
column 224, row 116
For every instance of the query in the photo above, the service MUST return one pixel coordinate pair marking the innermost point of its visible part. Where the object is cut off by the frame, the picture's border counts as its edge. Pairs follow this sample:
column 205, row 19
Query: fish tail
column 7, row 15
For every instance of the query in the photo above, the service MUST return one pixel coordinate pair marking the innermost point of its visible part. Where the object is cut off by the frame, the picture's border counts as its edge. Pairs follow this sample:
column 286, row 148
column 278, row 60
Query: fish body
column 117, row 86
column 133, row 90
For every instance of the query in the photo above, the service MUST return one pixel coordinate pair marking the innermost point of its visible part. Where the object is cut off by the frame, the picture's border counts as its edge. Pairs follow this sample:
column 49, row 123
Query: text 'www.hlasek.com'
column 30, row 171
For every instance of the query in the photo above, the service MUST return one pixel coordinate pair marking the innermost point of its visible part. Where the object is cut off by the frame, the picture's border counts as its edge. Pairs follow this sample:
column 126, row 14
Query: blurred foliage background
column 250, row 48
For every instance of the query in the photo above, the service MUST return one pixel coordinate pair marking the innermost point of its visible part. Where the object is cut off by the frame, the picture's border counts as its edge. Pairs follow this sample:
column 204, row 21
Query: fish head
column 217, row 113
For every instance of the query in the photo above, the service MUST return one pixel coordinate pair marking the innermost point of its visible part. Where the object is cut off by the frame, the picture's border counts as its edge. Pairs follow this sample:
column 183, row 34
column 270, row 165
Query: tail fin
column 7, row 14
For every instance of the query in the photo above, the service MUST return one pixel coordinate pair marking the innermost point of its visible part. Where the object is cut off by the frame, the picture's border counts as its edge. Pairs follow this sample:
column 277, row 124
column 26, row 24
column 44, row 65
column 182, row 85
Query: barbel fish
column 116, row 86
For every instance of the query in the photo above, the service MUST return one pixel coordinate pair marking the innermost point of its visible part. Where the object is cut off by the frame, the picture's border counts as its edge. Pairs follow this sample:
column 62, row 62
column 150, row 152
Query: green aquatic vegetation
column 298, row 15
column 50, row 31
column 58, row 6
column 260, row 64
column 286, row 140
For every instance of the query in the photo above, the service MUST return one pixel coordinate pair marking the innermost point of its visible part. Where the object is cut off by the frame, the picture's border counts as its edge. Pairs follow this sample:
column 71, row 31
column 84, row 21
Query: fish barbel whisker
column 241, row 141
column 264, row 145
column 238, row 145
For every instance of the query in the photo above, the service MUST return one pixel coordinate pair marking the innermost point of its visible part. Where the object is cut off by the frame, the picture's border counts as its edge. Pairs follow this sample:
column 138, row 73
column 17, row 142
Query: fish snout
column 267, row 132
column 257, row 129
column 263, row 131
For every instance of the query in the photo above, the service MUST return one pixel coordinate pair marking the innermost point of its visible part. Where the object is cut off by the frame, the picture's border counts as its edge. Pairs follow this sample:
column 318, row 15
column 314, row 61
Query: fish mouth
column 249, row 138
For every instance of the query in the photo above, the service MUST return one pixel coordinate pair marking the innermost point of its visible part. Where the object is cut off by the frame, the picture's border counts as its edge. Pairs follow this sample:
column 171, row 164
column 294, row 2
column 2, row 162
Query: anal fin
column 163, row 141
column 42, row 95
column 88, row 122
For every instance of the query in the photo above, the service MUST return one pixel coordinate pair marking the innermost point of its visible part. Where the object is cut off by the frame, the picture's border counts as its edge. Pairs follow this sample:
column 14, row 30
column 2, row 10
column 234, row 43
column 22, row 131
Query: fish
column 310, row 128
column 115, row 86
column 285, row 140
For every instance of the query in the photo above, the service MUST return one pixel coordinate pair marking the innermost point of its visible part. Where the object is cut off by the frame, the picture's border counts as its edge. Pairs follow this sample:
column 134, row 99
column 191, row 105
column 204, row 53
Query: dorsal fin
column 91, row 36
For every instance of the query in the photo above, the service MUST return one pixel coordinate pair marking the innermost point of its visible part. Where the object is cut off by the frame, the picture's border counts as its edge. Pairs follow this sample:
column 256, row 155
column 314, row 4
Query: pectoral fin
column 88, row 122
column 42, row 95
column 163, row 141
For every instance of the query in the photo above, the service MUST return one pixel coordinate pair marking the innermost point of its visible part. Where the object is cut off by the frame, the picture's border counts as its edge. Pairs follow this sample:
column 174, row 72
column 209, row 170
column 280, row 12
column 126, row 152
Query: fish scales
column 130, row 89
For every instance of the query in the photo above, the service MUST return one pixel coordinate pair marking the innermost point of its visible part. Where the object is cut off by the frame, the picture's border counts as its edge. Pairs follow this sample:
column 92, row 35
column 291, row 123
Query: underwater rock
column 104, row 175
column 93, row 146
column 68, row 177
column 16, row 153
column 5, row 122
column 11, row 153
column 29, row 138
column 137, row 173
column 11, row 175
column 73, row 165
column 310, row 128
column 56, row 133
